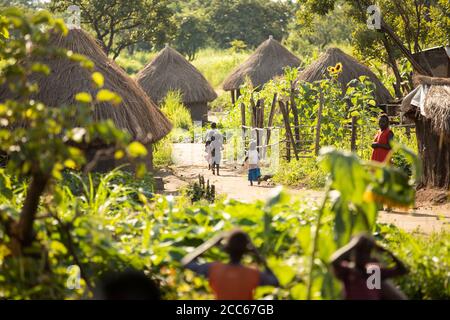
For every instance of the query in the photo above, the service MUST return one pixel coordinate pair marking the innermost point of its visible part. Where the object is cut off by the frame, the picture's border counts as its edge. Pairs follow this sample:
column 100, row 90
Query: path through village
column 232, row 182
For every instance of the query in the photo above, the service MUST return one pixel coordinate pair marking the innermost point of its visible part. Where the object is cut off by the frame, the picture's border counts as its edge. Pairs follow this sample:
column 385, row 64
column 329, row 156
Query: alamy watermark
column 74, row 277
column 374, row 280
column 73, row 20
column 374, row 17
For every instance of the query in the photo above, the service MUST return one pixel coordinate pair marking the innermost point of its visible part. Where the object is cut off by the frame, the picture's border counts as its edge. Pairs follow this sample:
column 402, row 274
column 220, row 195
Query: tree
column 39, row 141
column 121, row 24
column 191, row 34
column 406, row 26
column 251, row 21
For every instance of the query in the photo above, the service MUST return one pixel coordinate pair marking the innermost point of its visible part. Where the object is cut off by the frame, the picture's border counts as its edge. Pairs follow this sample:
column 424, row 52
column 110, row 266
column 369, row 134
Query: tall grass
column 216, row 64
column 181, row 119
column 177, row 113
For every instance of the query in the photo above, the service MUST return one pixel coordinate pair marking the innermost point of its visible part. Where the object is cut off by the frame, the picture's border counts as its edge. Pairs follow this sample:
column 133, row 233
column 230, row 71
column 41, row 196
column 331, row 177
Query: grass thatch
column 437, row 102
column 352, row 69
column 266, row 63
column 170, row 71
column 136, row 114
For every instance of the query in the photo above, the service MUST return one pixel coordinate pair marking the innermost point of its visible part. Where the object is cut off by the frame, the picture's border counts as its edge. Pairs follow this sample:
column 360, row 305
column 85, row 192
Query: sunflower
column 336, row 69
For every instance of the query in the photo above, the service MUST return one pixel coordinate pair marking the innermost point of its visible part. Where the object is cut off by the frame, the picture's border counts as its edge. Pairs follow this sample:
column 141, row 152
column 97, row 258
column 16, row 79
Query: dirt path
column 233, row 183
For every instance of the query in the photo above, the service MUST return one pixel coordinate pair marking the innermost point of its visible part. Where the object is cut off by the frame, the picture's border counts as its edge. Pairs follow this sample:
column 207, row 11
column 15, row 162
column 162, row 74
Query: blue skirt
column 254, row 174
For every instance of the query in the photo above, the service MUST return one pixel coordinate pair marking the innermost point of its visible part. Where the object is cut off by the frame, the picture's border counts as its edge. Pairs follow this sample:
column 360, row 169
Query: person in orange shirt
column 381, row 145
column 232, row 280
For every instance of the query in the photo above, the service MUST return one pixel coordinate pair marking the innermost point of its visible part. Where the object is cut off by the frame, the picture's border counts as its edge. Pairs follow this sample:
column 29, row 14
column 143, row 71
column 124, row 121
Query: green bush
column 162, row 153
column 177, row 113
column 427, row 258
column 302, row 173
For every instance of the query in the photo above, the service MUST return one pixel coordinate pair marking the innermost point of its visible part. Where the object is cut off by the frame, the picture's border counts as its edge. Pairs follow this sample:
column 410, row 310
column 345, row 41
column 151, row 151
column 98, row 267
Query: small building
column 437, row 60
column 428, row 105
column 136, row 114
column 351, row 69
column 267, row 62
column 170, row 71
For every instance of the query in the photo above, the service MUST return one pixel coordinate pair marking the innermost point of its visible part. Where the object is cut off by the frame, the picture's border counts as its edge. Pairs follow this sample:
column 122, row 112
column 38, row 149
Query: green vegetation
column 55, row 218
column 180, row 118
column 301, row 173
column 108, row 223
column 177, row 113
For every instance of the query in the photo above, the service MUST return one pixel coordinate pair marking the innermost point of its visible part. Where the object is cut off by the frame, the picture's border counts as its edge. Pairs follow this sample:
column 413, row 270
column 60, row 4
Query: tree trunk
column 29, row 209
column 435, row 155
column 394, row 67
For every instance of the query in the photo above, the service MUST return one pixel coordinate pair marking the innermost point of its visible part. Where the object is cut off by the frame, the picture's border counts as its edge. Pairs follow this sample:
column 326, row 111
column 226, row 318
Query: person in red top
column 352, row 264
column 381, row 146
column 232, row 280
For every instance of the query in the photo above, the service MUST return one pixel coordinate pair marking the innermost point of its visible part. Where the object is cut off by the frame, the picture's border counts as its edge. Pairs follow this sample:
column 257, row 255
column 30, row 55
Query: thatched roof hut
column 429, row 106
column 170, row 71
column 136, row 114
column 352, row 69
column 266, row 63
column 437, row 60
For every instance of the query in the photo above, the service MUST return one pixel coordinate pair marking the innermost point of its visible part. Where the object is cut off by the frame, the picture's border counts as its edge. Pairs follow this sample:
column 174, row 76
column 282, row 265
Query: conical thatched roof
column 435, row 94
column 170, row 71
column 136, row 114
column 352, row 69
column 266, row 63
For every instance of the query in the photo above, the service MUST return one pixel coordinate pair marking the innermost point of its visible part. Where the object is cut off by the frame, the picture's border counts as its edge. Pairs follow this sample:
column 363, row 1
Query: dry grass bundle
column 170, row 71
column 136, row 114
column 266, row 63
column 437, row 102
column 352, row 69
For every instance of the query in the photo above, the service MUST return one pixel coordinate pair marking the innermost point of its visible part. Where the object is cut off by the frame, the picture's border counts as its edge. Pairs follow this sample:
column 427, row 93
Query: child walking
column 254, row 172
column 232, row 280
column 208, row 156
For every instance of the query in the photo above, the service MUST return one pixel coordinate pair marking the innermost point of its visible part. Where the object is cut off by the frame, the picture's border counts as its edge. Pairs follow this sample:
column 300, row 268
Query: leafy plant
column 201, row 190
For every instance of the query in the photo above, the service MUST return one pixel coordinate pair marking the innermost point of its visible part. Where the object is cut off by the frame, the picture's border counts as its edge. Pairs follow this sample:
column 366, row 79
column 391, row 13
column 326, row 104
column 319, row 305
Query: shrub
column 177, row 113
column 301, row 173
column 428, row 259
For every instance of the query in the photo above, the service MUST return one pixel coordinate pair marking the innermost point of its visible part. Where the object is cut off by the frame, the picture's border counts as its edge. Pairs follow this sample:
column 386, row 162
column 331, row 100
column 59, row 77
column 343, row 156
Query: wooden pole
column 295, row 113
column 233, row 100
column 261, row 125
column 253, row 108
column 243, row 122
column 257, row 116
column 284, row 110
column 353, row 140
column 271, row 116
column 319, row 123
